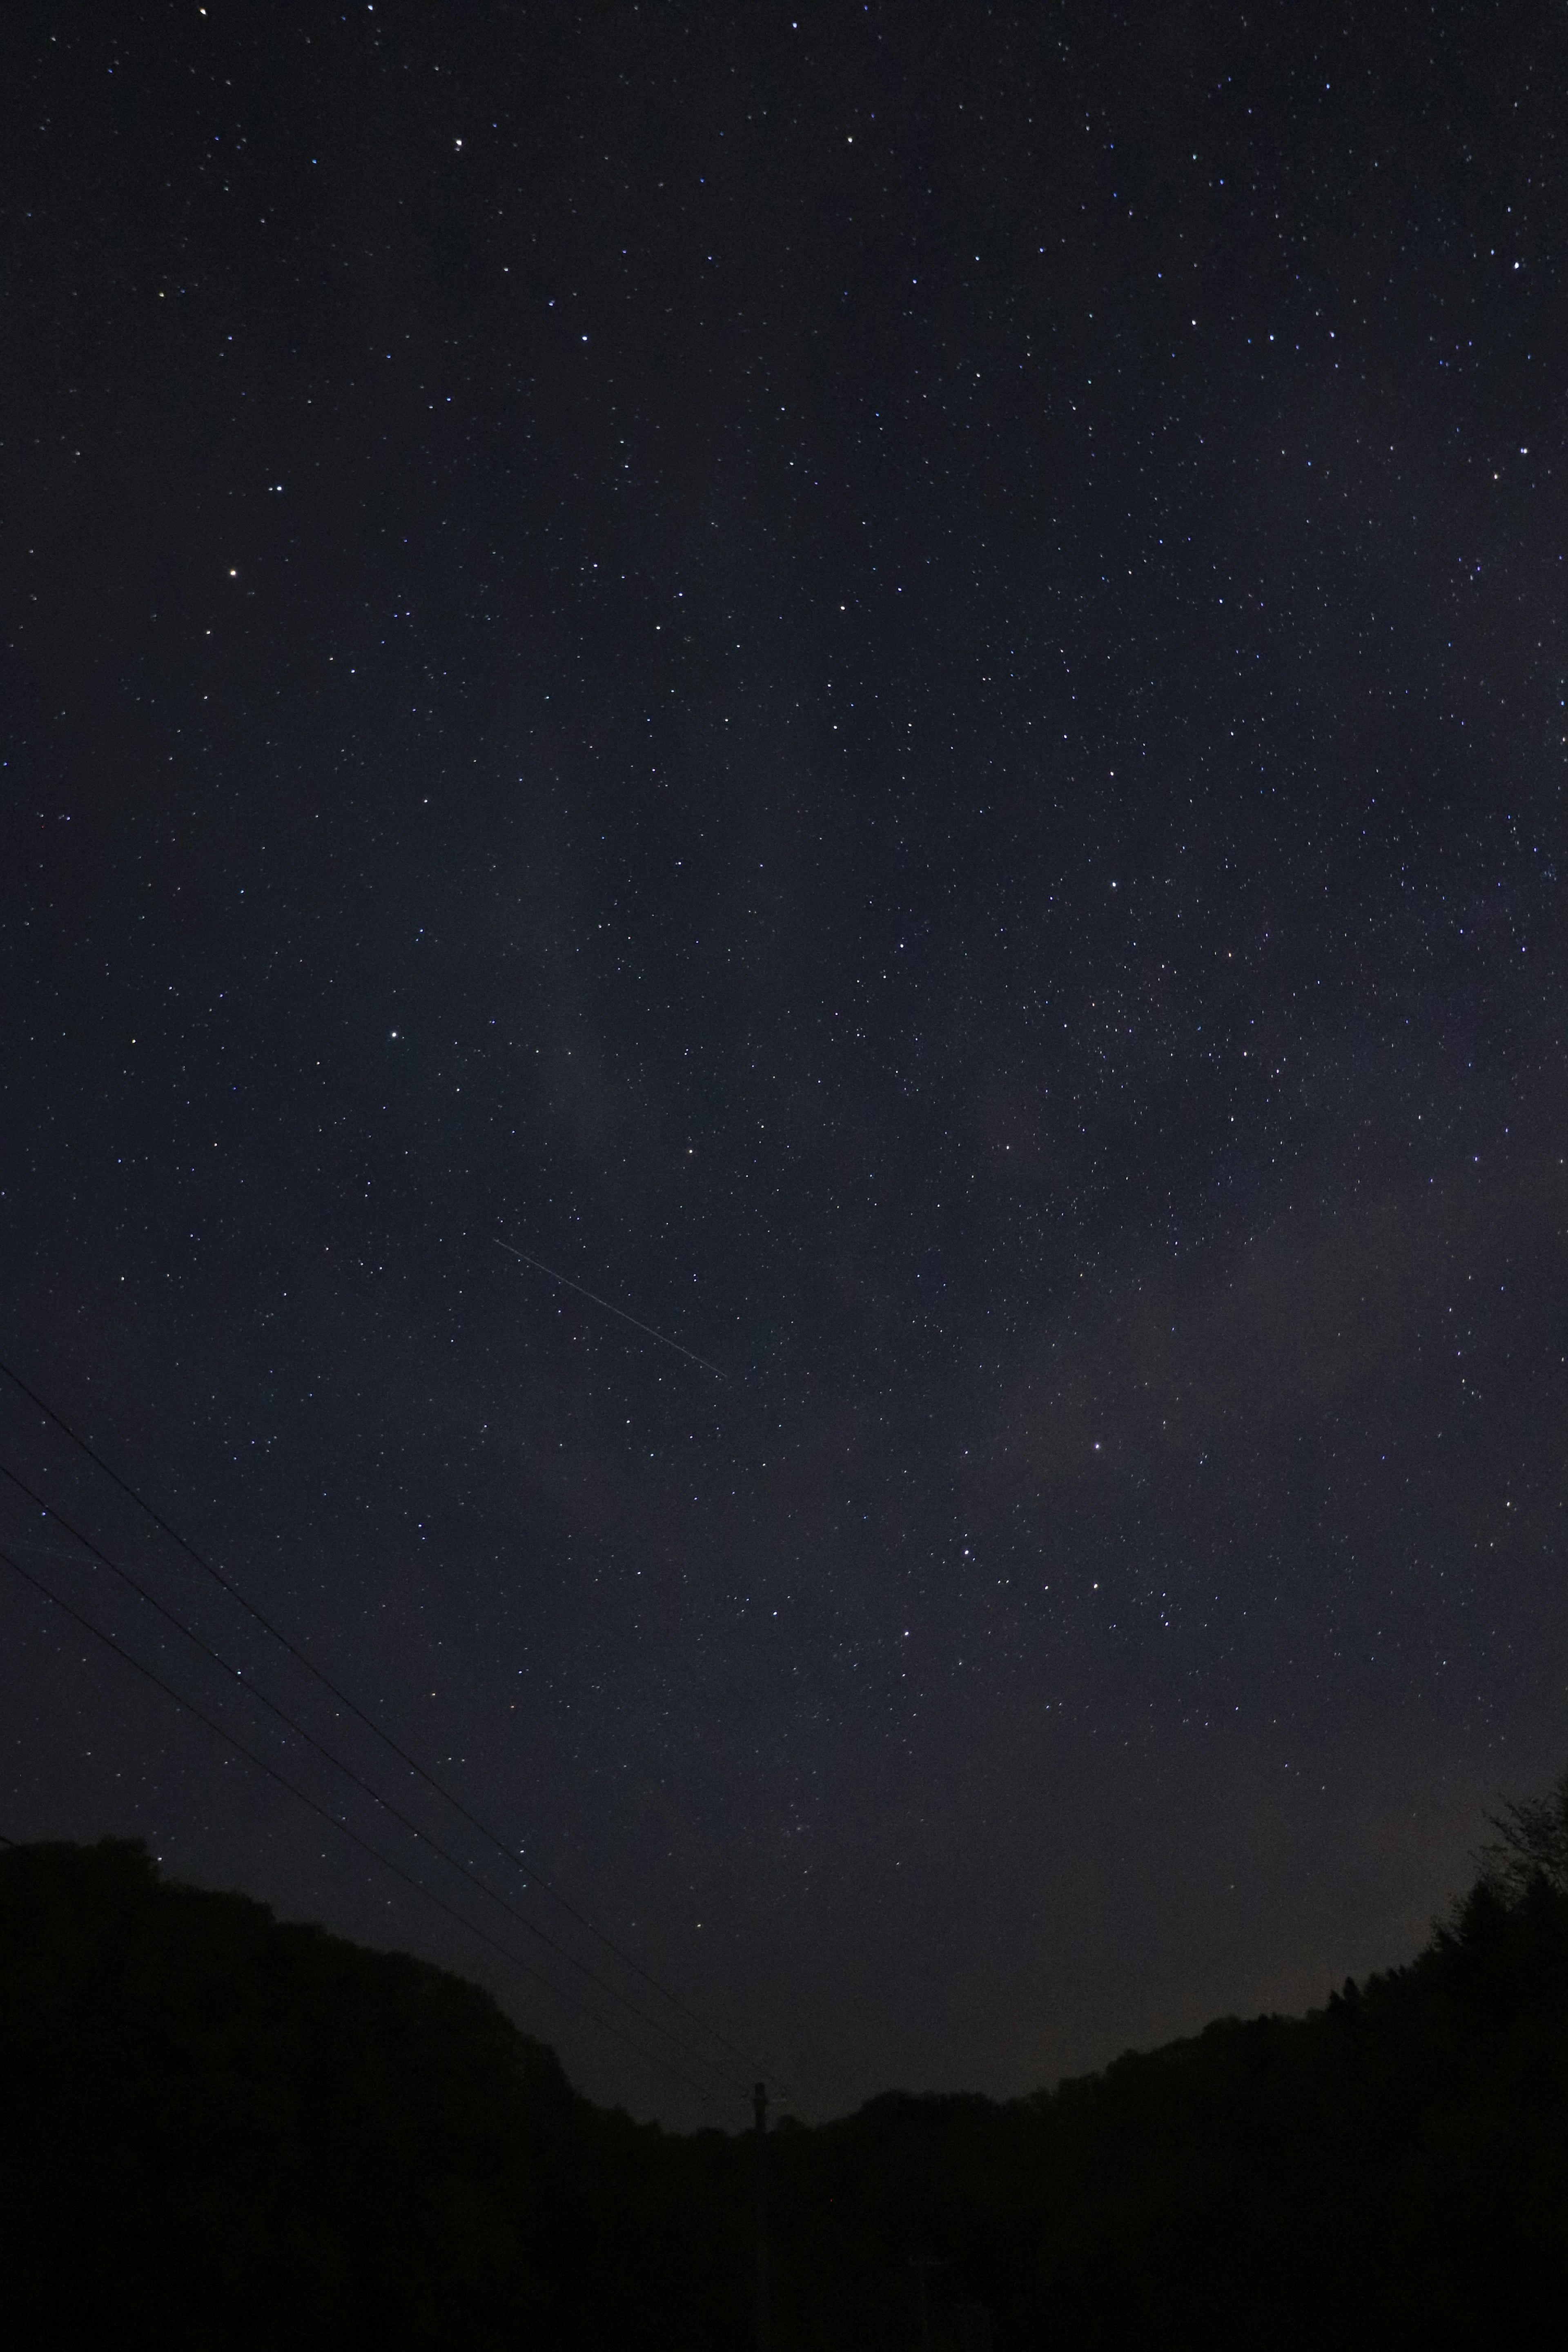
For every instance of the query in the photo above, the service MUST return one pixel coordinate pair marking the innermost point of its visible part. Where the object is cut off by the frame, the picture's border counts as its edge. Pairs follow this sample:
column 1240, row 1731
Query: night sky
column 889, row 685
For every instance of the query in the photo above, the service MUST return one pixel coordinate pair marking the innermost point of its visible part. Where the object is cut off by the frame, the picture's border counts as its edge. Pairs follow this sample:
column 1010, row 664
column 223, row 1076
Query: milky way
column 892, row 683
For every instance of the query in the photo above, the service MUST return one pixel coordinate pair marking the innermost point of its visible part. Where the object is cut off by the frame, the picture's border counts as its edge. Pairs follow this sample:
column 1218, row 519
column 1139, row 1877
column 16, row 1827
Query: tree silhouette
column 1531, row 1843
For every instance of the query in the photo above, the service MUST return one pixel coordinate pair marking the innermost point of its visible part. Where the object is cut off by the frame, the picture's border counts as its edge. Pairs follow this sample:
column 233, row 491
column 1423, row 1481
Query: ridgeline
column 221, row 2130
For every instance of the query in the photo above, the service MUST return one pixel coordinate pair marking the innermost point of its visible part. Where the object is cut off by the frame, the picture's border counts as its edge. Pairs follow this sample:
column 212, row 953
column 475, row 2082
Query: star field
column 892, row 689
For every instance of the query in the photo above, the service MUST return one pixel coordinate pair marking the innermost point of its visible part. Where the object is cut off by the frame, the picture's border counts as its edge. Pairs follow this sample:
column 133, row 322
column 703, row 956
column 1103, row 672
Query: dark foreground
column 221, row 2131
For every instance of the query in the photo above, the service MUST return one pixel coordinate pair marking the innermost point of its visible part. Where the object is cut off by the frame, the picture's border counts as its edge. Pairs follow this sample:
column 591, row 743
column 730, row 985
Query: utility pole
column 923, row 2265
column 760, row 2109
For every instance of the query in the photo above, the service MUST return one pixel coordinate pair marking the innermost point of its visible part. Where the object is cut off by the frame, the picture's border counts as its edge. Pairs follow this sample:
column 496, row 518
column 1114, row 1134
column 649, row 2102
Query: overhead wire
column 357, row 1779
column 323, row 1813
column 492, row 1836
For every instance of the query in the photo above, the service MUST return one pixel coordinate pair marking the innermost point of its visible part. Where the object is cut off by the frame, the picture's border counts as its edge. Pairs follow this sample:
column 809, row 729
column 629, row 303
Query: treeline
column 220, row 2130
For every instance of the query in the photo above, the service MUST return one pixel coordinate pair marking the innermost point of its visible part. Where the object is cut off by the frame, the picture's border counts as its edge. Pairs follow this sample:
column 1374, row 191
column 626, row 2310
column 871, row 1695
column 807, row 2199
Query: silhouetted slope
column 227, row 2130
column 1390, row 2171
column 224, row 2131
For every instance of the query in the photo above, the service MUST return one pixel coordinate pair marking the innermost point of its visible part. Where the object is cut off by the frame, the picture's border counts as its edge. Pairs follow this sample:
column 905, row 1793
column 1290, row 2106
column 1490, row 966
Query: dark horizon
column 890, row 693
column 245, row 2132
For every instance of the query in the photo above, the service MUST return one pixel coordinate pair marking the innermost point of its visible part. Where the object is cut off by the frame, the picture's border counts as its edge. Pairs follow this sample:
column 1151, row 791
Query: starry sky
column 888, row 684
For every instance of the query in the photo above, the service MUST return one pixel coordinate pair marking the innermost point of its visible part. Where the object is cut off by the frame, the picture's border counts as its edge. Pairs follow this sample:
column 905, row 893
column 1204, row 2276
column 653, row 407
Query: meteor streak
column 539, row 1268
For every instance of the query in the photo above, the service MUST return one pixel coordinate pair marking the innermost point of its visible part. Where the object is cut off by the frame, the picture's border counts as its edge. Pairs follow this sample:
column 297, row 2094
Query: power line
column 491, row 1836
column 359, row 1782
column 323, row 1813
